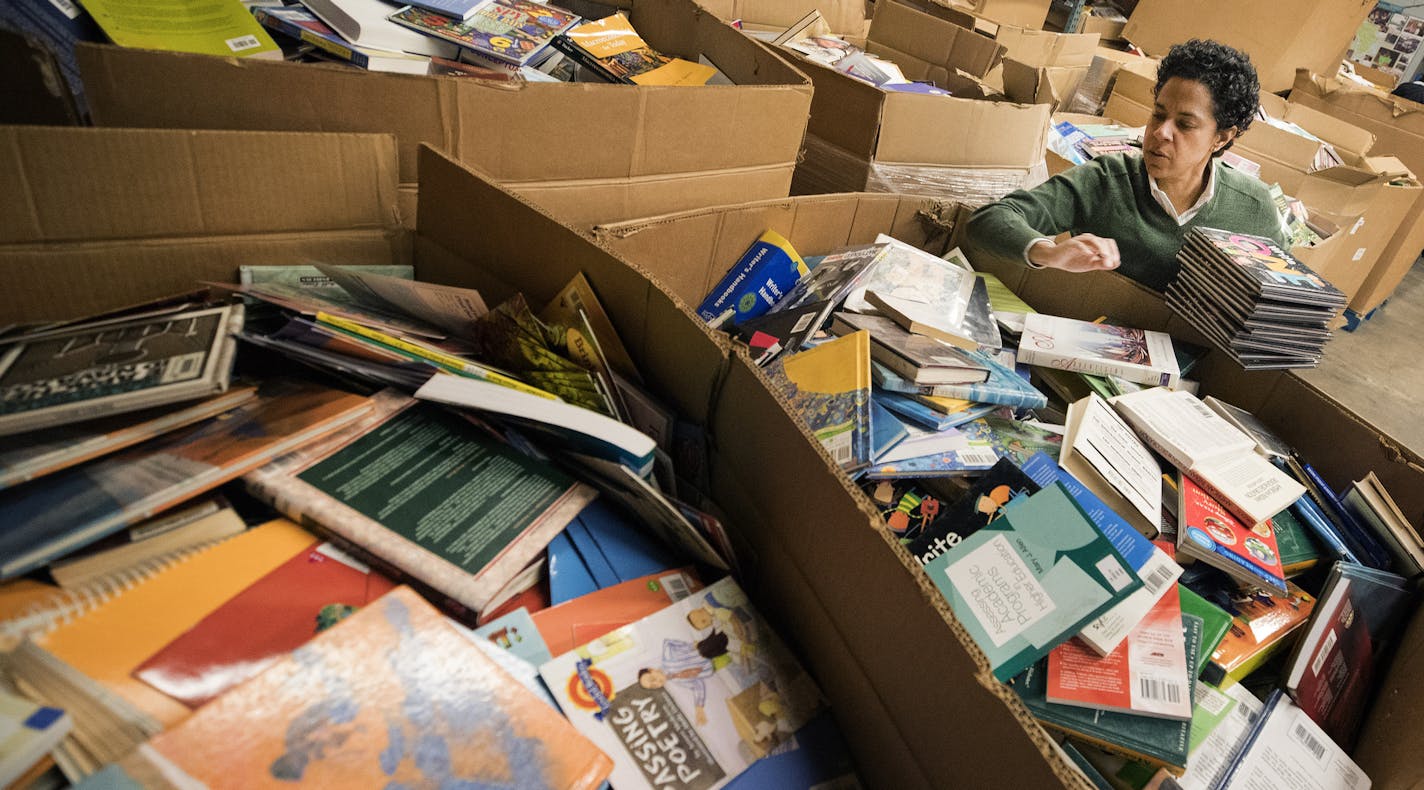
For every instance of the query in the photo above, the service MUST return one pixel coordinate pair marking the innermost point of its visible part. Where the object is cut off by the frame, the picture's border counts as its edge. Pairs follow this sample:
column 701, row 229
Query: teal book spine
column 1032, row 578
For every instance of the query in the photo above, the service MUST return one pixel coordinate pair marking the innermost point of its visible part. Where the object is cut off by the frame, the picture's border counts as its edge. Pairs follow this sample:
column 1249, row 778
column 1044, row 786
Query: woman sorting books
column 1130, row 212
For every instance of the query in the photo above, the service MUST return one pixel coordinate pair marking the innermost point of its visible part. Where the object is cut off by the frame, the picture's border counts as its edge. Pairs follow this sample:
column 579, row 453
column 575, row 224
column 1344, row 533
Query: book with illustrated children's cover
column 613, row 50
column 829, row 388
column 1139, row 355
column 946, row 526
column 688, row 697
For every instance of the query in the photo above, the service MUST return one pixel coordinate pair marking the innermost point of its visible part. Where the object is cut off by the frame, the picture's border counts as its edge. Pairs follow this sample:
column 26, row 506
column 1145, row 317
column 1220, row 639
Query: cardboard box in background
column 32, row 85
column 1398, row 127
column 1133, row 92
column 1041, row 67
column 844, row 17
column 1092, row 95
column 862, row 137
column 1030, row 14
column 588, row 152
column 1280, row 35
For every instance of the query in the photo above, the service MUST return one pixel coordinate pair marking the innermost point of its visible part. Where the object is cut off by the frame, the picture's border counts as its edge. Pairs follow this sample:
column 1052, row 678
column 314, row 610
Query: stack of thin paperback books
column 1251, row 297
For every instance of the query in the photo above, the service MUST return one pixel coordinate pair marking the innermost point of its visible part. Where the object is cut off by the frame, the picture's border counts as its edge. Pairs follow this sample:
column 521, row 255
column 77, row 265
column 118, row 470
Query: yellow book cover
column 392, row 696
column 114, row 639
column 210, row 27
column 829, row 389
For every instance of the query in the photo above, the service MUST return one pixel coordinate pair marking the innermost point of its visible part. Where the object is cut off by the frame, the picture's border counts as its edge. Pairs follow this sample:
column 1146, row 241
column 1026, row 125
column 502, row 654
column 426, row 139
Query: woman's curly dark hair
column 1227, row 73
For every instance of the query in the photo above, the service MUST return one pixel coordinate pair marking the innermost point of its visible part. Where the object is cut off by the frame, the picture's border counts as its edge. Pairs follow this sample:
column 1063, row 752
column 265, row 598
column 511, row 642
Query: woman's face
column 1182, row 133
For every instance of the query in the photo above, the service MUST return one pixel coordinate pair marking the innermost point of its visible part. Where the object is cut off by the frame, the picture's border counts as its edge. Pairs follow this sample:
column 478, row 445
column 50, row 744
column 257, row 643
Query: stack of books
column 1260, row 304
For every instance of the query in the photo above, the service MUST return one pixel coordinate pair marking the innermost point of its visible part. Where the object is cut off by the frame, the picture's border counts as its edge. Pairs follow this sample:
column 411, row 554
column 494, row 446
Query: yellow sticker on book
column 609, row 36
column 677, row 72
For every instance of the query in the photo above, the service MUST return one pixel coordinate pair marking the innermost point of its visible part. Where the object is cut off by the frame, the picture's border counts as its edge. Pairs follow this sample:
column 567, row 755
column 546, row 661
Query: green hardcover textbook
column 1160, row 742
column 1215, row 623
column 1032, row 578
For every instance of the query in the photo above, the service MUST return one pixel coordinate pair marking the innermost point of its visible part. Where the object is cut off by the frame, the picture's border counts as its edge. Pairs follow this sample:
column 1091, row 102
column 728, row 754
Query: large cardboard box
column 1042, row 67
column 586, row 151
column 949, row 721
column 1398, row 127
column 862, row 137
column 845, row 17
column 1279, row 35
column 1029, row 14
column 915, row 698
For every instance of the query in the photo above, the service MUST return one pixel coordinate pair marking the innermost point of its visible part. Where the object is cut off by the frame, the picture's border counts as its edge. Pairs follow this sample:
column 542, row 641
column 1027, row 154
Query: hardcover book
column 687, row 697
column 1003, row 387
column 1031, row 578
column 833, row 276
column 829, row 388
column 1139, row 355
column 512, row 31
column 390, row 695
column 756, row 282
column 66, row 511
column 938, row 288
column 1207, row 532
column 922, row 360
column 1161, row 743
column 1259, row 626
column 1147, row 674
column 85, row 372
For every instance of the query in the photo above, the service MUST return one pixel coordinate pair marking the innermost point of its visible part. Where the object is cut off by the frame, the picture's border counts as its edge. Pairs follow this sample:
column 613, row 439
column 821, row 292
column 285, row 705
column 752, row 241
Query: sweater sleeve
column 1003, row 230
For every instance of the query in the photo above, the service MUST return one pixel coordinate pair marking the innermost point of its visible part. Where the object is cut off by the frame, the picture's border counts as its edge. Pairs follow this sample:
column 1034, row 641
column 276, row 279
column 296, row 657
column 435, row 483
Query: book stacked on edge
column 1264, row 307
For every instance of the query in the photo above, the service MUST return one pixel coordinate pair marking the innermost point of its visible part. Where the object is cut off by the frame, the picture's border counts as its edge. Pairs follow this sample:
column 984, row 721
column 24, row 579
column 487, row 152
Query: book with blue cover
column 1157, row 570
column 1032, row 578
column 761, row 278
column 886, row 431
column 929, row 417
column 1004, row 387
column 829, row 389
column 1016, row 440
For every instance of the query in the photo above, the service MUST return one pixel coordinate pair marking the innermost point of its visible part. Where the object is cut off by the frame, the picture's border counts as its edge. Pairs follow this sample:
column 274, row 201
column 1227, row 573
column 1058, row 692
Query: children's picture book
column 1031, row 578
column 613, row 50
column 1154, row 565
column 482, row 511
column 314, row 590
column 759, row 279
column 1139, row 355
column 829, row 388
column 66, row 511
column 299, row 23
column 391, row 694
column 512, row 31
column 946, row 525
column 1147, row 674
column 1207, row 532
column 365, row 24
column 1285, row 750
column 1260, row 624
column 1158, row 742
column 83, row 373
column 1017, row 440
column 688, row 697
column 38, row 453
column 1261, row 265
column 1219, row 457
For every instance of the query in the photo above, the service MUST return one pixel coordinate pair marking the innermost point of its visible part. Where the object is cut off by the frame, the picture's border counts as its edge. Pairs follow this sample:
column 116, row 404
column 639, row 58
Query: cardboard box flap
column 1038, row 48
column 935, row 41
column 472, row 232
column 72, row 184
column 1358, row 99
column 846, row 111
column 1134, row 94
column 1391, row 168
column 685, row 29
column 1346, row 137
column 966, row 132
column 842, row 16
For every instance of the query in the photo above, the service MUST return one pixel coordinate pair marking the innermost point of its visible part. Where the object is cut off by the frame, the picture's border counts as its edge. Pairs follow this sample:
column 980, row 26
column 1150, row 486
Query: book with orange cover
column 312, row 591
column 55, row 515
column 112, row 640
column 390, row 697
column 589, row 617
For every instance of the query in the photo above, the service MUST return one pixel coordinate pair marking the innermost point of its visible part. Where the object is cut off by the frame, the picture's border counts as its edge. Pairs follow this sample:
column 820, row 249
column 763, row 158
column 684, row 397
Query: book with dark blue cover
column 761, row 278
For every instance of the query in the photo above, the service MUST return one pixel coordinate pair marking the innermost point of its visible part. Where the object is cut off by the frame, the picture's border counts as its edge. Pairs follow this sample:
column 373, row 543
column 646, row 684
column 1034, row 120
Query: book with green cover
column 222, row 27
column 1299, row 551
column 1032, row 578
column 1215, row 623
column 1160, row 742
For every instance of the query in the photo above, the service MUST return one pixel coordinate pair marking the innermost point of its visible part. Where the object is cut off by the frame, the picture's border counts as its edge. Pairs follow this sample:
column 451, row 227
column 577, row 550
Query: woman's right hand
column 1082, row 253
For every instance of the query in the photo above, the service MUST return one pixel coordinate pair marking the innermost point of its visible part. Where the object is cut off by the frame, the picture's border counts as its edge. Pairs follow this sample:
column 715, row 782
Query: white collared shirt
column 1166, row 202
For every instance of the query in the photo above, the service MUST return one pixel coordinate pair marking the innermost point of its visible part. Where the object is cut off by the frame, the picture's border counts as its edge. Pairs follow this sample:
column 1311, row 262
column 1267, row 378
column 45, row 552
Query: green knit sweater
column 1110, row 197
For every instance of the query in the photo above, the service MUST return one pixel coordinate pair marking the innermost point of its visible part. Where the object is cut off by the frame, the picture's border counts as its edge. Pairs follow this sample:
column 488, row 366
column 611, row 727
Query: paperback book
column 922, row 360
column 756, row 282
column 612, row 50
column 1207, row 532
column 690, row 696
column 833, row 276
column 1138, row 355
column 511, row 31
column 938, row 290
column 1031, row 578
column 829, row 388
column 1003, row 387
column 946, row 526
column 1261, row 622
column 1285, row 750
column 299, row 23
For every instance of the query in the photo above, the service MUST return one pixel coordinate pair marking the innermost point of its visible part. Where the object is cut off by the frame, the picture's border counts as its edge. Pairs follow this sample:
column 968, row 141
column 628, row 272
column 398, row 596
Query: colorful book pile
column 1264, row 307
column 476, row 509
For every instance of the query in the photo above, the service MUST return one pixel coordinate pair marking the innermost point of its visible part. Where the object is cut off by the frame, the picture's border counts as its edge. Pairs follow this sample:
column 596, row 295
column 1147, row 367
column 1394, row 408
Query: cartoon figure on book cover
column 688, row 697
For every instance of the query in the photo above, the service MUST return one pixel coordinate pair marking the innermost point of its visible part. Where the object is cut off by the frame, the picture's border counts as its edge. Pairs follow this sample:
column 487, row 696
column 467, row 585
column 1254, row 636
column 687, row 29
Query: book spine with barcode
column 1249, row 741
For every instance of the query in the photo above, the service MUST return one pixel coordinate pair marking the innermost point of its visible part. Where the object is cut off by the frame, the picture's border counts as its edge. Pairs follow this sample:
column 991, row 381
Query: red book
column 586, row 618
column 1146, row 675
column 280, row 612
column 1207, row 531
